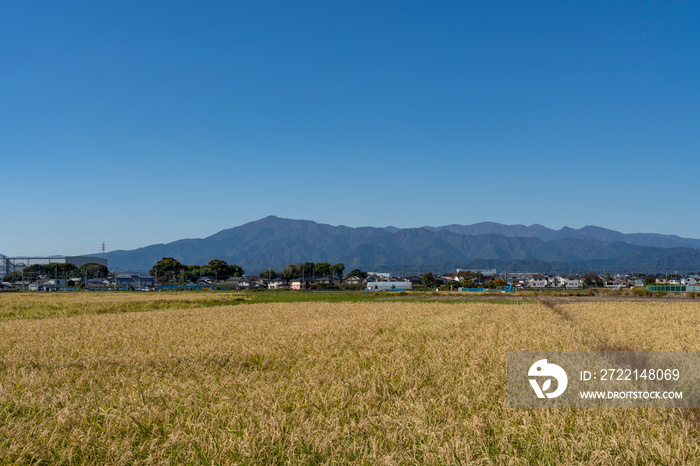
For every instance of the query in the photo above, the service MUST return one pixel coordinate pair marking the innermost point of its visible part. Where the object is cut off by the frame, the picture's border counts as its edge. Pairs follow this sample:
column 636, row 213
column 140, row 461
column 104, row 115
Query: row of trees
column 308, row 269
column 169, row 268
column 60, row 271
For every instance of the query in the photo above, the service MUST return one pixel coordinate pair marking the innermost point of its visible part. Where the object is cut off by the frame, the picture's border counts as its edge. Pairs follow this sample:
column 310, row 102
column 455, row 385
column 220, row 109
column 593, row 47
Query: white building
column 379, row 275
column 557, row 281
column 389, row 286
column 572, row 281
column 690, row 280
column 537, row 281
column 484, row 272
column 278, row 284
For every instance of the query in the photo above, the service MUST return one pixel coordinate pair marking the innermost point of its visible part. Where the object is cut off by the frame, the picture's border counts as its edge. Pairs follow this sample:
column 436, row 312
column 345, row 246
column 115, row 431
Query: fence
column 675, row 288
column 506, row 289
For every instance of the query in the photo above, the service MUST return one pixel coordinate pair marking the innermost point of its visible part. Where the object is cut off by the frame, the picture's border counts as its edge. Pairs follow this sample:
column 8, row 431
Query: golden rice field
column 220, row 378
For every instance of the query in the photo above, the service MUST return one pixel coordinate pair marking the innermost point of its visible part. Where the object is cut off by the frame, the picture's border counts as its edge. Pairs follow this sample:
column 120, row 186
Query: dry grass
column 642, row 326
column 323, row 383
column 47, row 305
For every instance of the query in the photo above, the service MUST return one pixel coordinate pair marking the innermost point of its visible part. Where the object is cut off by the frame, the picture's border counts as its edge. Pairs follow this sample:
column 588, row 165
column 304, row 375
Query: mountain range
column 275, row 242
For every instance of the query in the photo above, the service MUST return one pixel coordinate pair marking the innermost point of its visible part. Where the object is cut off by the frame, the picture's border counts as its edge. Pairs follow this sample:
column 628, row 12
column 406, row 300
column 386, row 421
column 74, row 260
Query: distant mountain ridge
column 275, row 242
column 591, row 231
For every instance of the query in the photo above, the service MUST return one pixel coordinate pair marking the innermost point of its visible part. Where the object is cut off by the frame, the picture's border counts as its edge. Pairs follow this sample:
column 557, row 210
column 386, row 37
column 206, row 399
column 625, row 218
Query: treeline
column 60, row 271
column 169, row 269
column 306, row 269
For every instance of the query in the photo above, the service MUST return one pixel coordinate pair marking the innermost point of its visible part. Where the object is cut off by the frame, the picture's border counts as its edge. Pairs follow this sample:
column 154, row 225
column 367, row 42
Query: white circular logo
column 543, row 369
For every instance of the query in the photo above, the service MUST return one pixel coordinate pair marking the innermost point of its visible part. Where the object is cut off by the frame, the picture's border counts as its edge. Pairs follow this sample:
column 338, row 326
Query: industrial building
column 389, row 286
column 10, row 264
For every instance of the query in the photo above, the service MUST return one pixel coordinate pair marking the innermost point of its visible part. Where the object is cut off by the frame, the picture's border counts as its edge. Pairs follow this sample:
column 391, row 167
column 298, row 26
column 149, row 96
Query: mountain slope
column 588, row 232
column 275, row 242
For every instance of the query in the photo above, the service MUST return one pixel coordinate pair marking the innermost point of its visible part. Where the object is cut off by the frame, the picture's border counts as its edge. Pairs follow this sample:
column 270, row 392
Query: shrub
column 641, row 291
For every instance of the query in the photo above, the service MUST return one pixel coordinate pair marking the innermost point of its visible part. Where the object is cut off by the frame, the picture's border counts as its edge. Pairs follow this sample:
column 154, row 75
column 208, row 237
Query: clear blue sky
column 135, row 122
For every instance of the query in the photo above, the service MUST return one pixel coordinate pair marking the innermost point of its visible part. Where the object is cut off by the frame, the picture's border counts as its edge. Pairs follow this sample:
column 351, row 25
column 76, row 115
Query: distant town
column 56, row 273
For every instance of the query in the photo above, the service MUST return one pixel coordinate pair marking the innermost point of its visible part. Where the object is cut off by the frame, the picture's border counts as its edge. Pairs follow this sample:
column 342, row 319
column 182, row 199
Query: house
column 237, row 282
column 415, row 280
column 572, row 282
column 125, row 280
column 537, row 280
column 353, row 280
column 325, row 280
column 97, row 282
column 260, row 283
column 301, row 283
column 50, row 285
column 278, row 284
column 557, row 281
column 690, row 280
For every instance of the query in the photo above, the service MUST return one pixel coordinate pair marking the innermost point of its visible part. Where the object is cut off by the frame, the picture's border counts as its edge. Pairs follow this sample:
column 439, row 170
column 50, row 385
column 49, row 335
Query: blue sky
column 136, row 123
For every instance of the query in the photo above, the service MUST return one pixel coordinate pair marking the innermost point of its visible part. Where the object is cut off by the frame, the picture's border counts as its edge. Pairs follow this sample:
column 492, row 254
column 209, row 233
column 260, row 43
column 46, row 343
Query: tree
column 14, row 276
column 468, row 275
column 357, row 273
column 235, row 271
column 192, row 273
column 429, row 280
column 93, row 270
column 52, row 270
column 308, row 269
column 219, row 267
column 322, row 268
column 206, row 271
column 499, row 282
column 167, row 267
column 338, row 269
column 269, row 274
column 592, row 279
